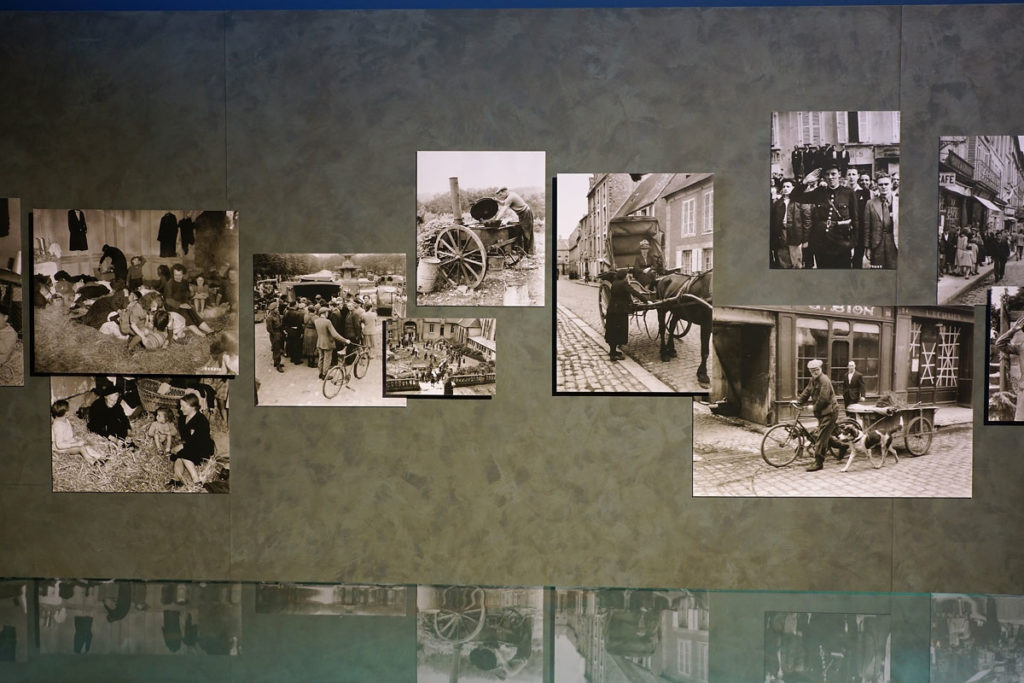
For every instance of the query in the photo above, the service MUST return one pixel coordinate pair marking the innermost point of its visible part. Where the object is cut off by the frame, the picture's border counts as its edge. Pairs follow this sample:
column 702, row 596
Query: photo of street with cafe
column 838, row 401
column 633, row 291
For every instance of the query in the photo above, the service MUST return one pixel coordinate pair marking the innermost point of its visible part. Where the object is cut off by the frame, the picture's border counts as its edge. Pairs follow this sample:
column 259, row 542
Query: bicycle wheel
column 334, row 380
column 781, row 445
column 918, row 435
column 361, row 364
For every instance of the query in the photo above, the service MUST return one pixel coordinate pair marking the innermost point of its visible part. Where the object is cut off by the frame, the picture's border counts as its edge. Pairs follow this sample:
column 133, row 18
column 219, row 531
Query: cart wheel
column 781, row 445
column 462, row 616
column 513, row 255
column 604, row 295
column 918, row 435
column 334, row 380
column 462, row 254
column 361, row 364
column 680, row 335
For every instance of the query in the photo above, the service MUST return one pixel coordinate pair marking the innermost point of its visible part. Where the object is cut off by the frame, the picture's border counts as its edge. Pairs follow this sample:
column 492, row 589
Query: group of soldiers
column 346, row 316
column 835, row 221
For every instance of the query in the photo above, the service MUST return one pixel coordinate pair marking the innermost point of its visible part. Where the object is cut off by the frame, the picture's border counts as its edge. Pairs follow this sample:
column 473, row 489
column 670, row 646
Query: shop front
column 935, row 363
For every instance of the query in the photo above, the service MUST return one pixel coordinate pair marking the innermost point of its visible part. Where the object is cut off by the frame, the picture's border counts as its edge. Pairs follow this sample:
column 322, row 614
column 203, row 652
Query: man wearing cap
column 511, row 200
column 647, row 266
column 275, row 329
column 833, row 220
column 819, row 391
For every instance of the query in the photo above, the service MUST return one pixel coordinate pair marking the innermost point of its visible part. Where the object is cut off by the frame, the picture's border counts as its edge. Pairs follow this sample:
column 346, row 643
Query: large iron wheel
column 462, row 614
column 462, row 255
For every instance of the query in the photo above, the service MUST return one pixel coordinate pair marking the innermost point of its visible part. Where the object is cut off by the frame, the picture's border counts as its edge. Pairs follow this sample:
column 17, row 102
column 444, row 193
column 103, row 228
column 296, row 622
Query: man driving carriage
column 647, row 266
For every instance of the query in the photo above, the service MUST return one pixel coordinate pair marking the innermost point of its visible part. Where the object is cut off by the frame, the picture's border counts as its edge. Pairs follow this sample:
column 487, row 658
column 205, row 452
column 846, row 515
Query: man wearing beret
column 823, row 398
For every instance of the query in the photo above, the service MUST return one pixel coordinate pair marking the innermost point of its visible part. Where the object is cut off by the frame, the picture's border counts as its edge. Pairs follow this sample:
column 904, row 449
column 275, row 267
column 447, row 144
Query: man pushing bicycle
column 823, row 397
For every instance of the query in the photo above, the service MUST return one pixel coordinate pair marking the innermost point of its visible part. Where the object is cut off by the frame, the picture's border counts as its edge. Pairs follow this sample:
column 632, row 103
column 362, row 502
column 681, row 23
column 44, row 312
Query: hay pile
column 64, row 346
column 12, row 373
column 139, row 470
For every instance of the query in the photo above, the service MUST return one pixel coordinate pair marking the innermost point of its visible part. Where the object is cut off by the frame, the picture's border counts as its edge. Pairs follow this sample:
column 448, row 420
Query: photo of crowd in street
column 134, row 291
column 440, row 357
column 309, row 599
column 633, row 293
column 119, row 617
column 480, row 228
column 318, row 334
column 838, row 401
column 120, row 434
column 835, row 189
column 1005, row 355
column 977, row 638
column 14, row 621
column 12, row 354
column 827, row 646
column 621, row 634
column 981, row 216
column 471, row 634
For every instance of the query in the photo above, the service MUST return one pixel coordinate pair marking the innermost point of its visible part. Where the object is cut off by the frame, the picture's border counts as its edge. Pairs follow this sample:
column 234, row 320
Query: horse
column 685, row 297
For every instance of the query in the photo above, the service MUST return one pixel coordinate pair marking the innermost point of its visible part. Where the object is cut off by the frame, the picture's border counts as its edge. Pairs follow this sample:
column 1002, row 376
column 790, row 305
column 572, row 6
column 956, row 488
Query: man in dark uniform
column 275, row 328
column 647, row 266
column 823, row 398
column 833, row 220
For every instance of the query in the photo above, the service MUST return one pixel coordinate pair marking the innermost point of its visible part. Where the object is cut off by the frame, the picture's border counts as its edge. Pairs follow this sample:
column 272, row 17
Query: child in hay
column 64, row 439
column 135, row 272
column 162, row 430
column 200, row 293
column 152, row 334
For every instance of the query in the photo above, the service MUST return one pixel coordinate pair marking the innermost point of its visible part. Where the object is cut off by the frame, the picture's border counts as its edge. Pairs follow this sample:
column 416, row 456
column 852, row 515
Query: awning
column 989, row 205
column 954, row 190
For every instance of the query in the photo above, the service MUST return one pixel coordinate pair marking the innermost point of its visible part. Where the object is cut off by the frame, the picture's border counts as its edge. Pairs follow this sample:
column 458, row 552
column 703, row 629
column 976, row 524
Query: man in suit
column 833, row 217
column 853, row 390
column 862, row 189
column 787, row 232
column 325, row 339
column 647, row 266
column 881, row 225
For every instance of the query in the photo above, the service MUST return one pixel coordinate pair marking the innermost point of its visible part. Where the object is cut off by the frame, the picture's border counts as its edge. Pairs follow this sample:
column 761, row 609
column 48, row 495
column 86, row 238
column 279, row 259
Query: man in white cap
column 823, row 397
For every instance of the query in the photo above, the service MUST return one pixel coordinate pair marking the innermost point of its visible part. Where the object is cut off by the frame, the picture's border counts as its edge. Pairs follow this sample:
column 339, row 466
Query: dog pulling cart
column 915, row 424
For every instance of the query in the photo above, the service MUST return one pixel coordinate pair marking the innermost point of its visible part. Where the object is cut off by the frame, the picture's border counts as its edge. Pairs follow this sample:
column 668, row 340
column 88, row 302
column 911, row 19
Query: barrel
column 426, row 274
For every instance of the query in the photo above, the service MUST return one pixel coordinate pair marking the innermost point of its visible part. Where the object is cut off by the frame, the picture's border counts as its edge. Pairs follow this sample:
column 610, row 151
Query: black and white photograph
column 440, row 357
column 12, row 353
column 634, row 283
column 319, row 327
column 617, row 634
column 835, row 190
column 134, row 292
column 120, row 434
column 977, row 638
column 981, row 216
column 480, row 228
column 838, row 401
column 121, row 617
column 827, row 646
column 14, row 620
column 471, row 634
column 316, row 599
column 1005, row 355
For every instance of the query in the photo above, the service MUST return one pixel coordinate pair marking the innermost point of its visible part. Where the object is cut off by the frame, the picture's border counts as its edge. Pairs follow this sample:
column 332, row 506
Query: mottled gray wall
column 308, row 124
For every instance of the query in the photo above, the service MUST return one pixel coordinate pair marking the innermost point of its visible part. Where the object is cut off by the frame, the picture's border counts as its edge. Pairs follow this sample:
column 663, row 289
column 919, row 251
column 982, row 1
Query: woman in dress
column 963, row 254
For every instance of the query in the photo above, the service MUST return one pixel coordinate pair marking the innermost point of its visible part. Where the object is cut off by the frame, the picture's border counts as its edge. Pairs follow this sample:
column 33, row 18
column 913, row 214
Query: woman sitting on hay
column 196, row 444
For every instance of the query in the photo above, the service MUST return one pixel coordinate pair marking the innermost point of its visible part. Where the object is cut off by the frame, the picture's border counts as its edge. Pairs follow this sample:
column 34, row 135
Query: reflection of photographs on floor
column 330, row 599
column 12, row 367
column 133, row 435
column 480, row 237
column 977, row 638
column 139, row 617
column 472, row 634
column 14, row 630
column 1006, row 354
column 114, row 292
column 445, row 357
column 835, row 189
column 598, row 629
column 826, row 646
column 318, row 327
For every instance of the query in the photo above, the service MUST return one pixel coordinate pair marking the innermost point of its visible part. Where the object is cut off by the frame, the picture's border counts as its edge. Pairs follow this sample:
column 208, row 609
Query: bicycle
column 338, row 376
column 786, row 441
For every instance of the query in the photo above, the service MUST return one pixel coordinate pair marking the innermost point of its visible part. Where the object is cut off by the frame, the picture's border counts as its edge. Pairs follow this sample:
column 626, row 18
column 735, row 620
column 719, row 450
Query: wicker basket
column 152, row 399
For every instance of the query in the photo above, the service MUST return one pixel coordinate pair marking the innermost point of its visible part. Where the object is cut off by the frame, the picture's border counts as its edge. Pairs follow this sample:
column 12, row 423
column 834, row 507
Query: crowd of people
column 839, row 219
column 963, row 250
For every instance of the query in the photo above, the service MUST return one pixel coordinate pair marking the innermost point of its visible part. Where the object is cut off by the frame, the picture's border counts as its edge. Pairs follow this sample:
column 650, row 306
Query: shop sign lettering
column 875, row 311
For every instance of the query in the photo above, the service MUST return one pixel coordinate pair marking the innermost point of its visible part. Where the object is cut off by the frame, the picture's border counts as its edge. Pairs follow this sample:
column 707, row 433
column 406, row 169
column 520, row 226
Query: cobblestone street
column 727, row 462
column 576, row 365
column 975, row 291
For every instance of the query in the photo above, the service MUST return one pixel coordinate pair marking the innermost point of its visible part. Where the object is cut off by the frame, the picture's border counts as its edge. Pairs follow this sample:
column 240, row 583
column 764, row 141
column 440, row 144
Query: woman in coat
column 616, row 320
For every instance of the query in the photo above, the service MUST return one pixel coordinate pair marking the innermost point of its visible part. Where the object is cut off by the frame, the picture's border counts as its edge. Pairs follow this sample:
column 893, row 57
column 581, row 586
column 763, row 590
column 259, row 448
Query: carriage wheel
column 513, row 254
column 680, row 335
column 918, row 435
column 604, row 296
column 462, row 254
column 462, row 619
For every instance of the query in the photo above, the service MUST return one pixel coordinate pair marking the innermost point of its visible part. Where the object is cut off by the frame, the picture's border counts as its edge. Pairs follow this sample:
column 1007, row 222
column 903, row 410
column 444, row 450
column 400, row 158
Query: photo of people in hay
column 134, row 291
column 12, row 366
column 120, row 617
column 480, row 238
column 440, row 357
column 318, row 324
column 121, row 434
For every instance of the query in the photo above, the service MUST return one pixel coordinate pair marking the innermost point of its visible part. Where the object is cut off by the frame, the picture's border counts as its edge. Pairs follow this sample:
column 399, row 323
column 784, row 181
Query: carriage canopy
column 624, row 236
